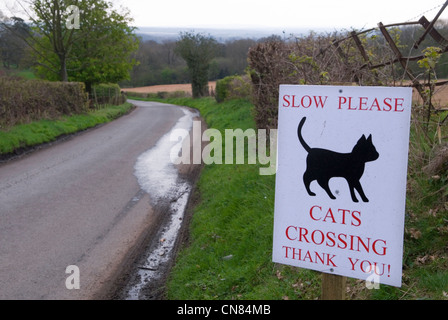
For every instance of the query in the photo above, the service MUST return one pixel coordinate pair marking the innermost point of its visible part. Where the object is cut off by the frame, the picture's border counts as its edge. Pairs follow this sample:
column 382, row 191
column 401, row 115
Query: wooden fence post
column 333, row 287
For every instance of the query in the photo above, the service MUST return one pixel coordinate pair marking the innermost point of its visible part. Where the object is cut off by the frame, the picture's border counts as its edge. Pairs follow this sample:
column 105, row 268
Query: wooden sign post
column 333, row 287
column 340, row 189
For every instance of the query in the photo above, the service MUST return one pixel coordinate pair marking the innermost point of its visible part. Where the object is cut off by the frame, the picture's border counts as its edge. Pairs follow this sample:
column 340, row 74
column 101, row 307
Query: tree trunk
column 63, row 71
column 88, row 87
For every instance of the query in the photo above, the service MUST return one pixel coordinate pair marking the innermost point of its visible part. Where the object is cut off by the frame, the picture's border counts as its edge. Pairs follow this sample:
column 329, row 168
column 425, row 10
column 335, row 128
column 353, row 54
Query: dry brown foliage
column 23, row 101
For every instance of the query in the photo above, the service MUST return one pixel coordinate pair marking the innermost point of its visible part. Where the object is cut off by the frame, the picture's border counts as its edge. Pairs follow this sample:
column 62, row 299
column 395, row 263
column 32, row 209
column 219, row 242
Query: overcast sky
column 281, row 14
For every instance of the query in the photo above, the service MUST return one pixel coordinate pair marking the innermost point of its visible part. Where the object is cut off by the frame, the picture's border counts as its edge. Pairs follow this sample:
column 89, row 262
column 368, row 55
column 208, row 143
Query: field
column 167, row 88
column 440, row 98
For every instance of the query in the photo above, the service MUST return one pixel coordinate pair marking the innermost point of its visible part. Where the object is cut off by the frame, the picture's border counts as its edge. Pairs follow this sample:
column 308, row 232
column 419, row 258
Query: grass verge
column 229, row 252
column 43, row 131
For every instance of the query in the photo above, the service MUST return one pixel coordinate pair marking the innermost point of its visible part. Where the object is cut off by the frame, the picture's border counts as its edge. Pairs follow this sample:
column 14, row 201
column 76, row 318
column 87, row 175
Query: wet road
column 77, row 203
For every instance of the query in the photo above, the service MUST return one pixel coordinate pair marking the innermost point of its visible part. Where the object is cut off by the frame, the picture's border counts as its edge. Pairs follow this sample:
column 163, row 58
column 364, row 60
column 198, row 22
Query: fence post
column 333, row 287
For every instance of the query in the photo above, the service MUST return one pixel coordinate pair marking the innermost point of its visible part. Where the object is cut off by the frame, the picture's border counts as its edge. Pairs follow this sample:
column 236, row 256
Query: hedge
column 233, row 87
column 107, row 94
column 23, row 101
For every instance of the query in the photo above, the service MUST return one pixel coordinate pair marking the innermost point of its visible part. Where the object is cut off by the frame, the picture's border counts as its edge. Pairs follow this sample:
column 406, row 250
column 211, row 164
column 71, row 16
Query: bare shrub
column 315, row 59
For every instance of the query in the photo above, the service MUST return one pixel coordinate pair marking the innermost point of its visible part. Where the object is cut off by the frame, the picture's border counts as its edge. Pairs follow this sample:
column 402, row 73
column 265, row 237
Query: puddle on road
column 154, row 170
column 158, row 176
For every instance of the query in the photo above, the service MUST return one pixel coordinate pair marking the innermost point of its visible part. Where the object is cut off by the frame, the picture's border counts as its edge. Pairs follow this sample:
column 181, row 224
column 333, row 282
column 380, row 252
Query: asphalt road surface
column 78, row 203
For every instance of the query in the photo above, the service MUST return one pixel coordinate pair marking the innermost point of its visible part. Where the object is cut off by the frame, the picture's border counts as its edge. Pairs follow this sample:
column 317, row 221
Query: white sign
column 341, row 180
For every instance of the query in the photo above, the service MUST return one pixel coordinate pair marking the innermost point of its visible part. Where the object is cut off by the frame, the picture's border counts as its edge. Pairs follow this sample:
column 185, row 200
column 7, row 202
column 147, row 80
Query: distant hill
column 160, row 34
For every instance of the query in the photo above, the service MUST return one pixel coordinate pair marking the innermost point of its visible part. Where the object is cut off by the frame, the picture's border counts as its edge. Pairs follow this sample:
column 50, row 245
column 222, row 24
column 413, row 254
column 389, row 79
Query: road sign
column 341, row 180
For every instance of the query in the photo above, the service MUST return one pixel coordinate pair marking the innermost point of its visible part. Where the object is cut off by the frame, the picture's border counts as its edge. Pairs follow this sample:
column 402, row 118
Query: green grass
column 23, row 73
column 26, row 74
column 38, row 132
column 229, row 252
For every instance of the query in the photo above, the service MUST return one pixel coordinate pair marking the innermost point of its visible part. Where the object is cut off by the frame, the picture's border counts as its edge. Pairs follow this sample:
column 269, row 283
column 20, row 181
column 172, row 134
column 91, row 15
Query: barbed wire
column 425, row 12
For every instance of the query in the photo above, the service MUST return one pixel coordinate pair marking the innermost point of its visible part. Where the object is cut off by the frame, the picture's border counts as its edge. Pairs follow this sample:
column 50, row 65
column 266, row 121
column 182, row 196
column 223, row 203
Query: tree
column 12, row 47
column 198, row 51
column 103, row 52
column 82, row 40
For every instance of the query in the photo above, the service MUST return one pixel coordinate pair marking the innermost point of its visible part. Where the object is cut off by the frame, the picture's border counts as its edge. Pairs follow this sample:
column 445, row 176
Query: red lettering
column 353, row 263
column 342, row 241
column 330, row 237
column 309, row 101
column 304, row 101
column 308, row 255
column 342, row 100
column 363, row 102
column 350, row 104
column 345, row 216
column 294, row 254
column 287, row 233
column 344, row 211
column 329, row 260
column 398, row 104
column 320, row 103
column 366, row 104
column 356, row 215
column 386, row 100
column 311, row 213
column 319, row 257
column 376, row 269
column 303, row 234
column 286, row 250
column 367, row 267
column 286, row 100
column 329, row 214
column 293, row 102
column 363, row 269
column 376, row 105
column 366, row 247
column 322, row 237
column 383, row 248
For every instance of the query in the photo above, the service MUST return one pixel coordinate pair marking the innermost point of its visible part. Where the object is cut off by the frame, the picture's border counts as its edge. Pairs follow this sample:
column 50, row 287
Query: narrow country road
column 78, row 203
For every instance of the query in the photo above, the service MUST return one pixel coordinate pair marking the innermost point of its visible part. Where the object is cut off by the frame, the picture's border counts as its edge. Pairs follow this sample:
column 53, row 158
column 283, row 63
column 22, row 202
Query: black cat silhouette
column 322, row 165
